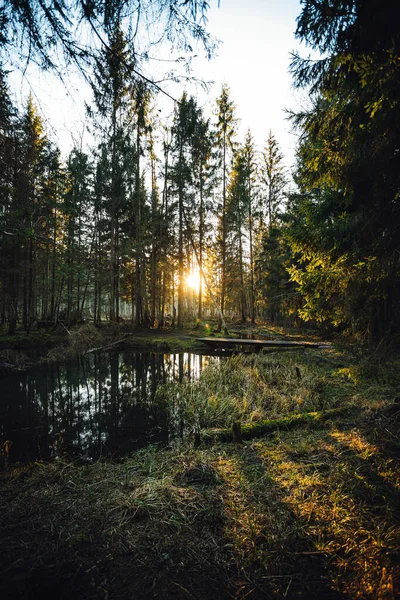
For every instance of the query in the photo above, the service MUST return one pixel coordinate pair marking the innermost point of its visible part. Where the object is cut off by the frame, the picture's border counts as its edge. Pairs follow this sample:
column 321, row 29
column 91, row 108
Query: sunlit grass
column 304, row 513
column 254, row 388
column 338, row 494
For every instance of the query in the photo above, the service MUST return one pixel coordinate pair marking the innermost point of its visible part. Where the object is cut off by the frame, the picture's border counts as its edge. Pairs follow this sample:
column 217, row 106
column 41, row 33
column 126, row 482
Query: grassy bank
column 310, row 511
column 20, row 350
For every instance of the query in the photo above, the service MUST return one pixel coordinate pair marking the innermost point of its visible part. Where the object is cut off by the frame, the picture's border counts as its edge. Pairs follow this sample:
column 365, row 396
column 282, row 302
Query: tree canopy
column 127, row 229
column 56, row 33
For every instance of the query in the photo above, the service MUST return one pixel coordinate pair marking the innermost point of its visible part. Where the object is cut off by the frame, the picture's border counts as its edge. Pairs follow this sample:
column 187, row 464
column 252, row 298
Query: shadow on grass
column 345, row 495
column 272, row 555
column 146, row 536
column 304, row 514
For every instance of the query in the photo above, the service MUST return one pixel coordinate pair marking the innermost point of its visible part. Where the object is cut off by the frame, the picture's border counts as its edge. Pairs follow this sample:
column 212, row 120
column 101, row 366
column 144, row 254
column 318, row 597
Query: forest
column 124, row 234
column 137, row 459
column 181, row 220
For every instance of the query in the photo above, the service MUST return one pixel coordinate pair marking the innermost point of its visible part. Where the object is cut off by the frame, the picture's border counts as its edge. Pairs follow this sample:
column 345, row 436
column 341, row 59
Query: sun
column 193, row 280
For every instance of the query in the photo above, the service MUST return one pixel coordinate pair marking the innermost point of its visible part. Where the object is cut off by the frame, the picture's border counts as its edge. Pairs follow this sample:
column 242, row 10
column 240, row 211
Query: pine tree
column 204, row 170
column 29, row 188
column 141, row 99
column 249, row 156
column 183, row 129
column 225, row 133
column 273, row 178
column 112, row 94
column 51, row 233
column 272, row 278
column 345, row 229
column 9, row 255
column 78, row 214
column 236, row 217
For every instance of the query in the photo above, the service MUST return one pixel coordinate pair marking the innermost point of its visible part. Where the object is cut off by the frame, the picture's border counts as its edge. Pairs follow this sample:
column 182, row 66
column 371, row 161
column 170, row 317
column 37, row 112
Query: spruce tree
column 183, row 130
column 9, row 213
column 236, row 219
column 29, row 189
column 225, row 133
column 204, row 169
column 112, row 96
column 345, row 230
column 249, row 156
column 272, row 278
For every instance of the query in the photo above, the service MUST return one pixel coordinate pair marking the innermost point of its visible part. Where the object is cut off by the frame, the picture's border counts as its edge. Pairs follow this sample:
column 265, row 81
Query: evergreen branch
column 128, row 67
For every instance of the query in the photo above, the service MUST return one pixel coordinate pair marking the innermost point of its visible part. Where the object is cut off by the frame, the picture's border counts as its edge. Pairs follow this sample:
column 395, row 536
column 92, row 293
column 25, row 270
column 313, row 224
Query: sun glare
column 193, row 280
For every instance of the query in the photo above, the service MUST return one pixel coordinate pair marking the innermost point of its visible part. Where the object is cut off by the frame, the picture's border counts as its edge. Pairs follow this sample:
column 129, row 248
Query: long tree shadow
column 154, row 537
column 371, row 480
column 338, row 531
column 305, row 514
column 271, row 552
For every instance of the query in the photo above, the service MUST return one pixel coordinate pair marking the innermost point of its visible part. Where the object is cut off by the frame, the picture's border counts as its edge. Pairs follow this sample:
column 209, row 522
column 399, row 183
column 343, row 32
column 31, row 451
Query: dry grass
column 78, row 341
column 258, row 387
column 311, row 513
column 303, row 514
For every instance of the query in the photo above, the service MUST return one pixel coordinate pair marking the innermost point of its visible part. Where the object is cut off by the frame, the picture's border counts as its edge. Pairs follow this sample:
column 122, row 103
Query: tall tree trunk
column 180, row 245
column 113, row 219
column 201, row 242
column 31, row 300
column 223, row 243
column 138, row 278
column 78, row 278
column 242, row 292
column 25, row 287
column 70, row 280
column 162, row 309
column 163, row 234
column 154, row 244
column 58, row 299
column 14, row 288
column 53, row 270
column 252, row 303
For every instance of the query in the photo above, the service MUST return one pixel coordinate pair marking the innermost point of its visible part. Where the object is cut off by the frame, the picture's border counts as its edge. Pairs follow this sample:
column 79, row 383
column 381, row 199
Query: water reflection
column 99, row 405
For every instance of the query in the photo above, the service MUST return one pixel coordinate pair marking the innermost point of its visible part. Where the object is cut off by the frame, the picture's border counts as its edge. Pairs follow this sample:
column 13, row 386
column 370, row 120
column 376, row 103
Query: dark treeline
column 116, row 232
column 346, row 216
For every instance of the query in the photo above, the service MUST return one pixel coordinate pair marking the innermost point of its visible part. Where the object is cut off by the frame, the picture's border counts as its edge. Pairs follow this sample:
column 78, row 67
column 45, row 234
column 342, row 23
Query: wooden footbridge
column 256, row 345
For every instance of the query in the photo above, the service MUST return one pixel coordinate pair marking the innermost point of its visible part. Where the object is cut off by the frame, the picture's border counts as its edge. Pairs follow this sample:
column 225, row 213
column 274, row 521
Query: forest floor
column 20, row 351
column 308, row 508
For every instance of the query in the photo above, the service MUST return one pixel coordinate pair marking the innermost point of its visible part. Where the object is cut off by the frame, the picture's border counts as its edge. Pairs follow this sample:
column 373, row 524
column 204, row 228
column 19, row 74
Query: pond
column 100, row 405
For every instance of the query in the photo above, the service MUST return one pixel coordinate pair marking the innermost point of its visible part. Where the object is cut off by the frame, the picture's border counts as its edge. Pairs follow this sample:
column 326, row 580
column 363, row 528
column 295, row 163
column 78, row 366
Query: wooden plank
column 259, row 343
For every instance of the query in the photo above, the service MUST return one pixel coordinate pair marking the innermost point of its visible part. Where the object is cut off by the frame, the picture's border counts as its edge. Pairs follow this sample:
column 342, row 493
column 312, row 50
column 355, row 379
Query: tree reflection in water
column 98, row 405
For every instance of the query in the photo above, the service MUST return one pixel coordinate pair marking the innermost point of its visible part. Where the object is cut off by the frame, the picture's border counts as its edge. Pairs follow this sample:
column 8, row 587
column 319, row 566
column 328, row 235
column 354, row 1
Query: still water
column 94, row 406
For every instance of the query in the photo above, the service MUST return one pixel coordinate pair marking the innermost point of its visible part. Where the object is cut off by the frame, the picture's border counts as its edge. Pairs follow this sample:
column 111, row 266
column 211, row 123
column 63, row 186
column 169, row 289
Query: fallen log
column 262, row 428
column 106, row 347
column 257, row 345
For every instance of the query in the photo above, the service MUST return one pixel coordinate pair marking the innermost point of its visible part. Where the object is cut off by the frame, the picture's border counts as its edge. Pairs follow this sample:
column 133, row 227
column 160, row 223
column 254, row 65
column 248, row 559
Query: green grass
column 253, row 389
column 310, row 511
column 263, row 428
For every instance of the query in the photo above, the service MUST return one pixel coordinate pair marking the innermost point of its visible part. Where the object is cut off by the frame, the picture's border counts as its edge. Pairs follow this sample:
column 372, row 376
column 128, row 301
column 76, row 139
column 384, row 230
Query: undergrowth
column 253, row 388
column 303, row 514
column 79, row 340
column 308, row 513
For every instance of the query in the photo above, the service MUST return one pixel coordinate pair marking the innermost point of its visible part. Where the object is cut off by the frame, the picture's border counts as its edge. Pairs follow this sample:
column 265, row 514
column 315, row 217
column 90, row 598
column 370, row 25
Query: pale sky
column 253, row 59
